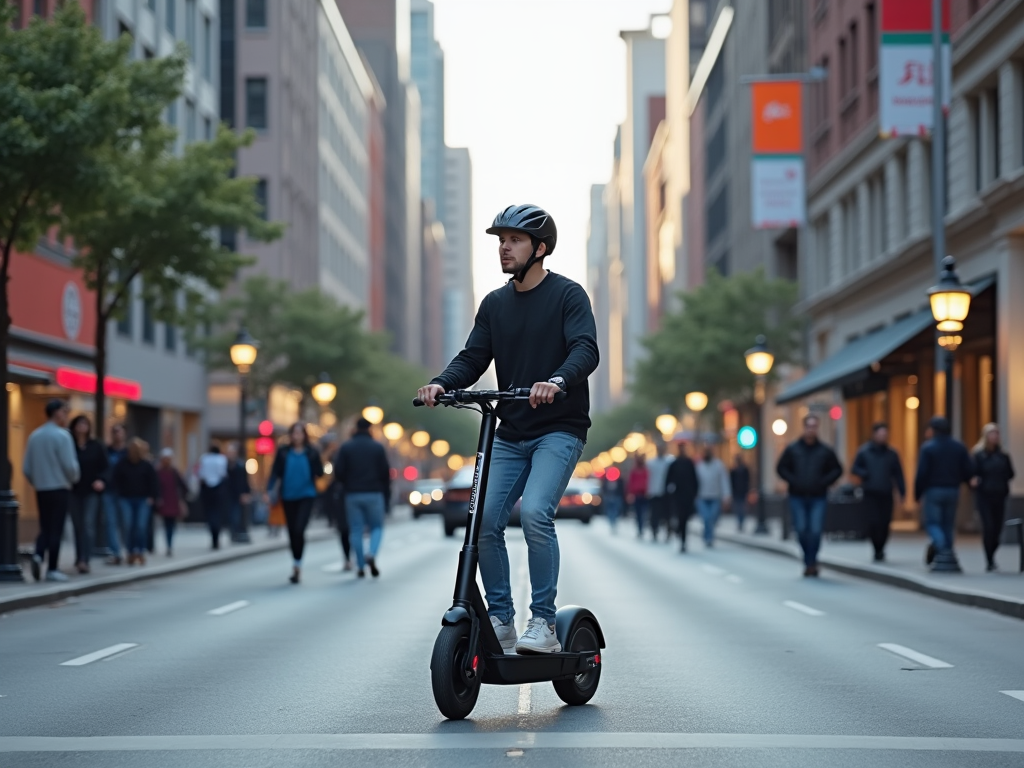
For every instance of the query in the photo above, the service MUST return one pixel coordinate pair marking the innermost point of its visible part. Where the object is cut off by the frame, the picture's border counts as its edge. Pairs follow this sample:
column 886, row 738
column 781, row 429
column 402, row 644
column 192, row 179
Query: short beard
column 512, row 269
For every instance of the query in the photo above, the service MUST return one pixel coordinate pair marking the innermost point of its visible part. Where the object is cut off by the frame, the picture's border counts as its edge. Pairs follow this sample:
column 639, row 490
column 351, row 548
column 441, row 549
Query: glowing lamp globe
column 393, row 431
column 324, row 391
column 243, row 351
column 666, row 423
column 696, row 401
column 759, row 359
column 949, row 299
column 440, row 448
column 420, row 438
column 373, row 414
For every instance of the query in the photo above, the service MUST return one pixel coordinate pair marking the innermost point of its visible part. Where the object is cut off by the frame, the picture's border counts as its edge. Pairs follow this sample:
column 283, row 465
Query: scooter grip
column 417, row 403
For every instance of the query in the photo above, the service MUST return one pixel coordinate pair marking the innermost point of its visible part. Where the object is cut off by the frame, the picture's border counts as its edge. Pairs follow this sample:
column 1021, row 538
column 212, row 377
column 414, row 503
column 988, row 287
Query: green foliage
column 611, row 426
column 701, row 347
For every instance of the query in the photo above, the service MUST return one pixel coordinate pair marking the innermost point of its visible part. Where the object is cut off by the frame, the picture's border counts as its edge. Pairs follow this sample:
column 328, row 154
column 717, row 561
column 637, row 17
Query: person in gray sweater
column 51, row 466
column 714, row 491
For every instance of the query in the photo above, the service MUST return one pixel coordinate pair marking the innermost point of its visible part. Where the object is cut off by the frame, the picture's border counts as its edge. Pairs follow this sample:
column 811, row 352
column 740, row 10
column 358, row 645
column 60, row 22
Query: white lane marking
column 525, row 698
column 1015, row 694
column 910, row 653
column 587, row 740
column 229, row 608
column 714, row 570
column 333, row 568
column 732, row 578
column 802, row 608
column 103, row 653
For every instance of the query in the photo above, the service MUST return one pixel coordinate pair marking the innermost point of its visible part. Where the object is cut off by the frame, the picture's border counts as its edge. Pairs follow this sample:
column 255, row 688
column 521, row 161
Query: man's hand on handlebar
column 429, row 394
column 543, row 392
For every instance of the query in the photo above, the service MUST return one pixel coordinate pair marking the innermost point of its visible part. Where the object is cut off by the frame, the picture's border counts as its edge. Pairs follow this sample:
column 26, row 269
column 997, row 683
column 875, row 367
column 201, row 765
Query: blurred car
column 426, row 496
column 455, row 504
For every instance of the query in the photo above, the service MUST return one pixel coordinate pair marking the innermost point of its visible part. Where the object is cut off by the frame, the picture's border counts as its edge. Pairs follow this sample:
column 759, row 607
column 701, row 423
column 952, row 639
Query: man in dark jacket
column 739, row 479
column 238, row 494
column 944, row 465
column 809, row 467
column 361, row 467
column 879, row 469
column 682, row 489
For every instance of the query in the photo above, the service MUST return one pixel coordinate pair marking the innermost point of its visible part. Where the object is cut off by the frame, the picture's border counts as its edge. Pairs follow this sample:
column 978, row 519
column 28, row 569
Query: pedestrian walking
column 296, row 467
column 213, row 492
column 739, row 479
column 361, row 466
column 613, row 495
column 172, row 505
column 116, row 449
column 682, row 488
column 138, row 490
column 237, row 491
column 51, row 467
column 943, row 466
column 334, row 497
column 636, row 488
column 86, row 494
column 809, row 467
column 713, row 492
column 993, row 471
column 657, row 497
column 880, row 472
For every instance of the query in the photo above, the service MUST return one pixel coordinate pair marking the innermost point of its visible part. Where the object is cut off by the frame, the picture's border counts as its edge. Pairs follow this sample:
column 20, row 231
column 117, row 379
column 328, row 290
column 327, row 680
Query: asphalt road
column 715, row 658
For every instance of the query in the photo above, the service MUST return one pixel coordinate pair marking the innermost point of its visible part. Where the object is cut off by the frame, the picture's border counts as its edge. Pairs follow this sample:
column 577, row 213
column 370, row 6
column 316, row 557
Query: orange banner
column 778, row 118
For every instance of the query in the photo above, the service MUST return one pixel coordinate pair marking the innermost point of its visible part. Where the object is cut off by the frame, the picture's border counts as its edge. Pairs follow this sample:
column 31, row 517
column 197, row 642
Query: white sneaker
column 539, row 637
column 506, row 634
column 55, row 576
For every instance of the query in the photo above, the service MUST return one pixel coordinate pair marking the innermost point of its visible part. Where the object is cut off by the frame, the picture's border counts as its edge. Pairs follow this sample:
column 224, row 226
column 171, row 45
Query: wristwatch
column 559, row 381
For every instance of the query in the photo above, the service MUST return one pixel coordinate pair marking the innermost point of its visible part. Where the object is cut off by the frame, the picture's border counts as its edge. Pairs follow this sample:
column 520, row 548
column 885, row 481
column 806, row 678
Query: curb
column 1007, row 606
column 62, row 592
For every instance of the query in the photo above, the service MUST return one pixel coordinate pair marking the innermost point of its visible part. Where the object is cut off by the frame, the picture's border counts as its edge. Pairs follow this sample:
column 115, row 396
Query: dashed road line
column 920, row 658
column 525, row 698
column 1015, row 694
column 806, row 609
column 229, row 608
column 103, row 653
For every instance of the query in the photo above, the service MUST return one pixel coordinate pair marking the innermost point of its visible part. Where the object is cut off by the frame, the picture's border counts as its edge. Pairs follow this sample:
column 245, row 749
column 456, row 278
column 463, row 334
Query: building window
column 124, row 324
column 871, row 29
column 207, row 129
column 148, row 324
column 170, row 338
column 854, row 39
column 256, row 103
column 255, row 14
column 190, row 27
column 227, row 63
column 718, row 215
column 171, row 20
column 843, row 67
column 172, row 114
column 190, row 121
column 207, row 49
column 716, row 150
column 39, row 7
column 261, row 197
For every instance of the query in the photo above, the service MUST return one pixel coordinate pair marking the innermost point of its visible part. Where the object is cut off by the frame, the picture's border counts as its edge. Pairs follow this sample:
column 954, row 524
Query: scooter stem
column 469, row 557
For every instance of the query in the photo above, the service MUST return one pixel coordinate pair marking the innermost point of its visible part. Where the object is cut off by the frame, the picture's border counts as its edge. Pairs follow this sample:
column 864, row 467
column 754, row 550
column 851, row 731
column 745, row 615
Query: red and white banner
column 777, row 169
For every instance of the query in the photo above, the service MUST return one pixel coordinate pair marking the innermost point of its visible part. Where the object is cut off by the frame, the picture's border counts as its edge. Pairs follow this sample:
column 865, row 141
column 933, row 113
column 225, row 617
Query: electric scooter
column 467, row 652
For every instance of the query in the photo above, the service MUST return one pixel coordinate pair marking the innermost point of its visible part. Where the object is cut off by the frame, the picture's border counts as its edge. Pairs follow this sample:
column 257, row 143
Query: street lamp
column 324, row 391
column 393, row 431
column 420, row 438
column 696, row 401
column 373, row 414
column 759, row 362
column 666, row 424
column 243, row 355
column 950, row 304
column 440, row 448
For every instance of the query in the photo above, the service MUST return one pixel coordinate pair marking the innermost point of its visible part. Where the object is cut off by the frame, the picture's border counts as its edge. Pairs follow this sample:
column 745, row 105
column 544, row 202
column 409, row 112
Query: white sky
column 535, row 89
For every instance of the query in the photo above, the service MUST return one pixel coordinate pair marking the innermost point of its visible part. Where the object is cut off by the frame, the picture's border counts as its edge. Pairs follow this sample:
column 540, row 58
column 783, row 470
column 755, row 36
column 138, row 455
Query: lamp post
column 759, row 362
column 243, row 355
column 950, row 304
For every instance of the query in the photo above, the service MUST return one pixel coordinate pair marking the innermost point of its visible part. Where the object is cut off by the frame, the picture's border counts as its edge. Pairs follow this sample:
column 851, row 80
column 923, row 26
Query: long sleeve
column 28, row 463
column 472, row 362
column 920, row 479
column 726, row 486
column 784, row 468
column 580, row 331
column 834, row 468
column 860, row 466
column 897, row 471
column 385, row 471
column 69, row 460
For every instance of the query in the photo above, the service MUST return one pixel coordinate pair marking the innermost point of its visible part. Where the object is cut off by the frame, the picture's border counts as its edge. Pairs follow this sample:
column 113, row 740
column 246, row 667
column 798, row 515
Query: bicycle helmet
column 534, row 221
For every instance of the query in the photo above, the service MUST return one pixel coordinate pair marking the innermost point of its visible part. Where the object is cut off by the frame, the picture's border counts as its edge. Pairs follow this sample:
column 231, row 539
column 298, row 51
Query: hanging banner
column 905, row 72
column 777, row 169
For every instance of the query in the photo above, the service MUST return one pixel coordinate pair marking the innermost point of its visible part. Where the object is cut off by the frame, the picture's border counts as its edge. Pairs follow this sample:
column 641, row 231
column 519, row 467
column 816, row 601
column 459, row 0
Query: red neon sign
column 265, row 446
column 84, row 381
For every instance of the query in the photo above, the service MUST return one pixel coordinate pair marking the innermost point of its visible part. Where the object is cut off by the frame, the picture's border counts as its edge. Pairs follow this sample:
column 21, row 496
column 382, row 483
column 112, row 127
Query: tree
column 611, row 426
column 66, row 98
column 155, row 221
column 701, row 346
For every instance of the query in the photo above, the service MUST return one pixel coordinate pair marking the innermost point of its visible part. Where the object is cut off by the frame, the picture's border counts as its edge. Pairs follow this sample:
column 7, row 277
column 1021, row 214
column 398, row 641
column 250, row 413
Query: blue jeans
column 365, row 510
column 111, row 521
column 739, row 508
column 940, row 516
column 709, row 510
column 538, row 470
column 808, row 522
column 83, row 509
column 613, row 508
column 640, row 508
column 135, row 513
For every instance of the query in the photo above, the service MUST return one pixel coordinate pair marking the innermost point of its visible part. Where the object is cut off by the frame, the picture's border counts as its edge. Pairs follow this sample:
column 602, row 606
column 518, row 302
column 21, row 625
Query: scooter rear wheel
column 580, row 689
column 455, row 692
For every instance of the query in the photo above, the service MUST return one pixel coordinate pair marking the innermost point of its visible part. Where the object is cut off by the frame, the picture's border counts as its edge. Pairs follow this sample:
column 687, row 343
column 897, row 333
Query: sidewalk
column 1001, row 591
column 191, row 551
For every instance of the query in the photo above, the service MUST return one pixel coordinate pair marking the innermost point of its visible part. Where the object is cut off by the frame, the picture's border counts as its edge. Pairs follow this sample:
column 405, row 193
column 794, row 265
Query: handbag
column 277, row 514
column 182, row 509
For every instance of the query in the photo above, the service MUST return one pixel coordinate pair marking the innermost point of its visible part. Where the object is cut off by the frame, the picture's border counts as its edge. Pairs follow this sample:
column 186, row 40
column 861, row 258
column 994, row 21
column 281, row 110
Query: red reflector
column 597, row 658
column 475, row 660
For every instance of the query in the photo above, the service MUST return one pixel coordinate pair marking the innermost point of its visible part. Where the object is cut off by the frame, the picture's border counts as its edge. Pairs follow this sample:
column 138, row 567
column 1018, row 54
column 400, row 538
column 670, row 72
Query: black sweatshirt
column 533, row 336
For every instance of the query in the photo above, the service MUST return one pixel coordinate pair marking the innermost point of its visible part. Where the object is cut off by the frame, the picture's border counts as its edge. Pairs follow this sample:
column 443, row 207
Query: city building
column 433, row 247
column 866, row 258
column 427, row 71
column 597, row 287
column 381, row 31
column 459, row 303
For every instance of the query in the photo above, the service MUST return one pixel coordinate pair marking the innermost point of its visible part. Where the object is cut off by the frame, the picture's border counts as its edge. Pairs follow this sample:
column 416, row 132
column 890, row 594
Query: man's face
column 60, row 417
column 117, row 435
column 231, row 452
column 514, row 249
column 881, row 436
column 811, row 430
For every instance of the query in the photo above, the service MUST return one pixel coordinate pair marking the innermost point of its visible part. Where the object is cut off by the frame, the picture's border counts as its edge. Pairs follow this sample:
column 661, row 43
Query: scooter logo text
column 476, row 483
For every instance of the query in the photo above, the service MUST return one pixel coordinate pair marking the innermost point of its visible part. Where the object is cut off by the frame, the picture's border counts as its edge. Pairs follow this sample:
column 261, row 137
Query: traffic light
column 747, row 437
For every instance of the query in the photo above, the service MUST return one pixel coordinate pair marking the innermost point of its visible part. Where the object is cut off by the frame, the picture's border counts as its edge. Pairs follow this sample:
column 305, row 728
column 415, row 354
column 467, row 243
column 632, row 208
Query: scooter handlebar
column 483, row 395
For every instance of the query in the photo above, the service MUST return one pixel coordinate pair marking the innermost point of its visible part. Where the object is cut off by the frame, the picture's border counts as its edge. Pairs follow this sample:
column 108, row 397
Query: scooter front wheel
column 455, row 691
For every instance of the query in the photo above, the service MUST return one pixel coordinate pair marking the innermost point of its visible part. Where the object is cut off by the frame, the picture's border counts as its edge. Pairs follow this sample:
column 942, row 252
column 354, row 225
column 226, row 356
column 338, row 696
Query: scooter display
column 467, row 652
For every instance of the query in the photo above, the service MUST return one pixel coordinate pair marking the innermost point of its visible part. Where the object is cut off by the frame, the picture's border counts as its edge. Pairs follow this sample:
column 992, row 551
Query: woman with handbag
column 173, row 493
column 297, row 466
column 993, row 471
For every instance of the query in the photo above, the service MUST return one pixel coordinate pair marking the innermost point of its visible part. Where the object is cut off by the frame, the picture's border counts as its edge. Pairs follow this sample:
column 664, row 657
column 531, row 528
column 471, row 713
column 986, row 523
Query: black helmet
column 534, row 221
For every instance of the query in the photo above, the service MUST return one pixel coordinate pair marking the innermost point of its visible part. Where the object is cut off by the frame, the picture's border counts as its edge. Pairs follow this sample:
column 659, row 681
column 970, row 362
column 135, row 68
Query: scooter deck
column 510, row 669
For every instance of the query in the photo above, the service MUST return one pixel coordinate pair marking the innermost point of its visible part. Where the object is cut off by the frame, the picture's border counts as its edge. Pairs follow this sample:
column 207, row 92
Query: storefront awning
column 853, row 362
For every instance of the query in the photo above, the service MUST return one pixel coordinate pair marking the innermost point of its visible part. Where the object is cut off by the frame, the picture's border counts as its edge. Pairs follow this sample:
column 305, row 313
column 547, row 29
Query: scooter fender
column 456, row 615
column 567, row 617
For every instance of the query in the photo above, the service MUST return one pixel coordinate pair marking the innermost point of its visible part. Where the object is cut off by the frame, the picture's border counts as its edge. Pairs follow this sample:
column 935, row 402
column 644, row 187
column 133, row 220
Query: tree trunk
column 100, row 413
